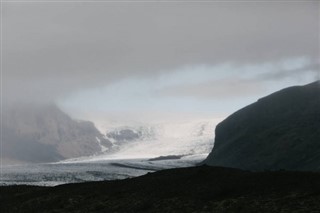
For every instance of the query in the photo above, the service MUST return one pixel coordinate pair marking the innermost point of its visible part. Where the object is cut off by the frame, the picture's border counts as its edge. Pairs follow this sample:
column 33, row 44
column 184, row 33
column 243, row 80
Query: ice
column 192, row 140
column 76, row 171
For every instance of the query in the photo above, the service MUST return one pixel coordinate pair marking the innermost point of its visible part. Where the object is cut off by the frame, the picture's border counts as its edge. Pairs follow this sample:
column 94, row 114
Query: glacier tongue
column 152, row 139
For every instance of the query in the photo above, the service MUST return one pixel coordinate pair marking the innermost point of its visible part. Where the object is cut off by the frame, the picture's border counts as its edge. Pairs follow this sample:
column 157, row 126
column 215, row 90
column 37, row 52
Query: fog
column 54, row 50
column 130, row 62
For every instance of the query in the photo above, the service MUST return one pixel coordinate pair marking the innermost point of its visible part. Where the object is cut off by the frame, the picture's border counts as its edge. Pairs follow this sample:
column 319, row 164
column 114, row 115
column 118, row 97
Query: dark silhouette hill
column 279, row 131
column 195, row 189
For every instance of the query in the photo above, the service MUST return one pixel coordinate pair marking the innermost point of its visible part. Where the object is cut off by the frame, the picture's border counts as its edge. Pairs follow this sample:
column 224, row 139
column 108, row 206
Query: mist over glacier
column 181, row 143
column 122, row 79
column 184, row 137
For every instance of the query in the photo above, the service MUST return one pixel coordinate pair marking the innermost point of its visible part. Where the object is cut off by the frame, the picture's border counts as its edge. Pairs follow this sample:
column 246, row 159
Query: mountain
column 279, row 131
column 125, row 134
column 34, row 133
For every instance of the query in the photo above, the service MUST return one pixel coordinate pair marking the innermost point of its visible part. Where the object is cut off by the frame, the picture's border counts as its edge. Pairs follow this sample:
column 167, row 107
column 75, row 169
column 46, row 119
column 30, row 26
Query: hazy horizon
column 137, row 59
column 155, row 78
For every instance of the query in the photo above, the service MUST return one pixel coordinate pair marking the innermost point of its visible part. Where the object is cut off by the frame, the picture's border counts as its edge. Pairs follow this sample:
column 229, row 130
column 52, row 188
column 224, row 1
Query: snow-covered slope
column 152, row 139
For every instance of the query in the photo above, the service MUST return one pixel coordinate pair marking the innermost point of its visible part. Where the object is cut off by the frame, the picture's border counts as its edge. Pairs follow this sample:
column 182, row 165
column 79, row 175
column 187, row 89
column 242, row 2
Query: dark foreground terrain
column 196, row 189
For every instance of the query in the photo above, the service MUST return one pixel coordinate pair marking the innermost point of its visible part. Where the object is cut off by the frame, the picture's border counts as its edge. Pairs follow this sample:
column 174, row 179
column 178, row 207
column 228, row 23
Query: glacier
column 137, row 148
column 154, row 139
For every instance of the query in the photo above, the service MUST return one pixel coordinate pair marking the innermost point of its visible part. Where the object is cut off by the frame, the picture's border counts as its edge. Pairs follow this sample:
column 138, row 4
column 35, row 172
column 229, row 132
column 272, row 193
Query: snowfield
column 151, row 140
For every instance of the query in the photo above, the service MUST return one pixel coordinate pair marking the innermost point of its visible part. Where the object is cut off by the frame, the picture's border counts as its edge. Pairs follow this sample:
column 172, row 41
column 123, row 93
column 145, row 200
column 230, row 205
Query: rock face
column 46, row 134
column 280, row 131
column 124, row 135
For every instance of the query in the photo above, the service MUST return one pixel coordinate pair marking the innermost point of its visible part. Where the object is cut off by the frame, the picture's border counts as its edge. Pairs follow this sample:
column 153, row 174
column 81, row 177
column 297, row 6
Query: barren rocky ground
column 195, row 189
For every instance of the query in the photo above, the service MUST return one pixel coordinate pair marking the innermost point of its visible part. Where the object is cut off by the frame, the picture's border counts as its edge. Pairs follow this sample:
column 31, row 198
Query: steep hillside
column 280, row 131
column 46, row 134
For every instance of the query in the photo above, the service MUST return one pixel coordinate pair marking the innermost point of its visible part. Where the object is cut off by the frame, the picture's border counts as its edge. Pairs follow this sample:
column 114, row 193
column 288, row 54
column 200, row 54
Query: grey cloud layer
column 53, row 49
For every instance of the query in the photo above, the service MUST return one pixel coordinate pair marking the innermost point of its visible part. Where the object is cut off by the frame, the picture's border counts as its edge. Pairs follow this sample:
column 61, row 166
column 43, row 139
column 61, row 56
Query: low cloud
column 310, row 71
column 221, row 89
column 231, row 81
column 51, row 50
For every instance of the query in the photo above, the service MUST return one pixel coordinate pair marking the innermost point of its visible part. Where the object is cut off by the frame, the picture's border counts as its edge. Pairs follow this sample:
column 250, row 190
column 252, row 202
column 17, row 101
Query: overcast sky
column 140, row 57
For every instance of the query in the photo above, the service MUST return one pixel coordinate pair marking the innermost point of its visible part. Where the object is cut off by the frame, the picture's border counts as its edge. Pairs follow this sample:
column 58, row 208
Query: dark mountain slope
column 33, row 133
column 280, row 131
